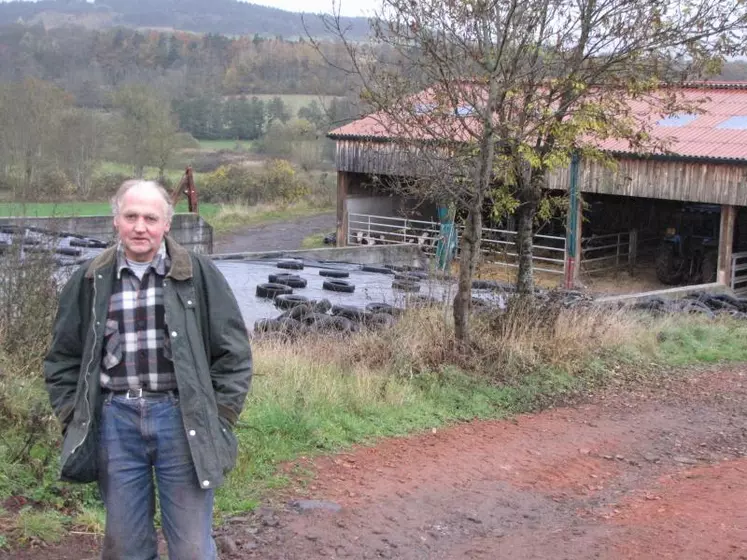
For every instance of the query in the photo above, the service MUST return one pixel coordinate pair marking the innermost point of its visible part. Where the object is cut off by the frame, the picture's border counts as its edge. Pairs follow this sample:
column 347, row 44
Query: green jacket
column 210, row 348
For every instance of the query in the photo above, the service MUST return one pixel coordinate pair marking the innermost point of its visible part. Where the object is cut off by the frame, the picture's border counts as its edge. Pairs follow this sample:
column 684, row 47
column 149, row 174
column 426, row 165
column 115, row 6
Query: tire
column 299, row 312
column 68, row 251
column 349, row 312
column 292, row 280
column 316, row 319
column 668, row 265
column 377, row 269
column 290, row 265
column 287, row 301
column 322, row 306
column 407, row 277
column 377, row 320
column 338, row 286
column 270, row 291
column 378, row 308
column 331, row 273
column 710, row 262
column 405, row 286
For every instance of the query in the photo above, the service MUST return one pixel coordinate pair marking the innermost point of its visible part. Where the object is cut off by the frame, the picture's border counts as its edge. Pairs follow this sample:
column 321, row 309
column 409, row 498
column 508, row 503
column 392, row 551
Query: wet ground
column 276, row 236
column 657, row 473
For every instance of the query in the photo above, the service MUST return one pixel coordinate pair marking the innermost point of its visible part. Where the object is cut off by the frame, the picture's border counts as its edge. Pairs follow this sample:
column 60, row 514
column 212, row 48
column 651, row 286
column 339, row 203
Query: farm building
column 688, row 205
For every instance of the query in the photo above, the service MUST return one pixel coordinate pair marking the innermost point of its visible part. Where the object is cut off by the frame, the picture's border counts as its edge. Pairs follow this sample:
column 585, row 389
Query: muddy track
column 275, row 236
column 656, row 474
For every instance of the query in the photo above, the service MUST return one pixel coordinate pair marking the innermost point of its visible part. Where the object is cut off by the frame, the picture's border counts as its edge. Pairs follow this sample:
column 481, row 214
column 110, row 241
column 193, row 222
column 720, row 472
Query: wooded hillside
column 229, row 17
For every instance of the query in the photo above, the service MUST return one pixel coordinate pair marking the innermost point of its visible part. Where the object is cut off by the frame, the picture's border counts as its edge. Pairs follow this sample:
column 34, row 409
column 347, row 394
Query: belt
column 141, row 393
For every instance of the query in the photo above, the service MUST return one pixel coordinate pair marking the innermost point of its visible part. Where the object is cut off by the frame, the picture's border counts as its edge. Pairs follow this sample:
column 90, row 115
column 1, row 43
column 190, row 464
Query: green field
column 231, row 145
column 71, row 209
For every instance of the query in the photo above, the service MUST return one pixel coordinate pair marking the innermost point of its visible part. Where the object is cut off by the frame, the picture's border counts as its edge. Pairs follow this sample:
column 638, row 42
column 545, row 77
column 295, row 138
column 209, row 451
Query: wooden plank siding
column 667, row 179
column 692, row 181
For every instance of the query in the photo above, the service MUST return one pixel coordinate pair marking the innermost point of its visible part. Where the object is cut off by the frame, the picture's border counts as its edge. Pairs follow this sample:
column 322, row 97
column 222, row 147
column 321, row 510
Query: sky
column 348, row 7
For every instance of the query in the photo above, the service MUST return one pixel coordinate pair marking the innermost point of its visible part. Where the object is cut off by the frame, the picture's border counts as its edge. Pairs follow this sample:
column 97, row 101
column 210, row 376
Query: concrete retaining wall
column 189, row 230
column 397, row 255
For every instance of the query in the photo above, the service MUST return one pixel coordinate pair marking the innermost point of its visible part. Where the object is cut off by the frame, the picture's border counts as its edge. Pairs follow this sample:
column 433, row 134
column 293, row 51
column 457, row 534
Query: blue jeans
column 140, row 437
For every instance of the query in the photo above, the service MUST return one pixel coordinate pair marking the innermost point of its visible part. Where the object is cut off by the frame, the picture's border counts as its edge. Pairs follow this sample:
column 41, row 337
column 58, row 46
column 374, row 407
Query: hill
column 227, row 17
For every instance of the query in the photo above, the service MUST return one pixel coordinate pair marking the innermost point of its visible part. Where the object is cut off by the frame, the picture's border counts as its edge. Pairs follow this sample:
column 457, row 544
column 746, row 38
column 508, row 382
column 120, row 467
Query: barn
column 684, row 207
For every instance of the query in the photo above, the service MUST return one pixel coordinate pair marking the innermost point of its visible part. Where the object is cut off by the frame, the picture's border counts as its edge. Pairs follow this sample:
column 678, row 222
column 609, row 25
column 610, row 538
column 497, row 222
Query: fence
column 608, row 252
column 366, row 229
column 739, row 273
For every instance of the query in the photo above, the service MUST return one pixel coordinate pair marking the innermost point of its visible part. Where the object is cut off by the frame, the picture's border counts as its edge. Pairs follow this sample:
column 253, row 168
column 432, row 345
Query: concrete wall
column 189, row 230
column 397, row 255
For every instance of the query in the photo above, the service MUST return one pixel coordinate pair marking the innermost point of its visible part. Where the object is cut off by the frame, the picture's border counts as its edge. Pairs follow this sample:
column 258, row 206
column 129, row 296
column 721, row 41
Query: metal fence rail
column 605, row 252
column 739, row 273
column 366, row 229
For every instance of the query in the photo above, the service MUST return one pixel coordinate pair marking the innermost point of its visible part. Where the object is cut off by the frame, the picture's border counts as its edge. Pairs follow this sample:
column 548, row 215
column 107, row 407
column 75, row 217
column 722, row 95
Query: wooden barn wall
column 383, row 158
column 668, row 180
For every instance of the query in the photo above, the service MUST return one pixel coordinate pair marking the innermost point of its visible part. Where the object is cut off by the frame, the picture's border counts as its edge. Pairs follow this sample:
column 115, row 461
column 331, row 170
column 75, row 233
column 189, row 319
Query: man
column 148, row 371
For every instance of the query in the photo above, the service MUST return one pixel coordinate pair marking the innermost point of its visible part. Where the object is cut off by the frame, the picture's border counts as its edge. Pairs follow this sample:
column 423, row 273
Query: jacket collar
column 181, row 263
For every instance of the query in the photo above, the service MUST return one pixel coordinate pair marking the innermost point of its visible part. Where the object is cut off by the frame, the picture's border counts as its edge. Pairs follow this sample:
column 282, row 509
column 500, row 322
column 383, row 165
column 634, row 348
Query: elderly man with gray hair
column 148, row 371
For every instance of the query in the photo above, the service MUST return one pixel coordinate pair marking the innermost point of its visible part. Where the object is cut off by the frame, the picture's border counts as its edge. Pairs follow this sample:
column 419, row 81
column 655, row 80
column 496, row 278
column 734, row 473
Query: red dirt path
column 661, row 474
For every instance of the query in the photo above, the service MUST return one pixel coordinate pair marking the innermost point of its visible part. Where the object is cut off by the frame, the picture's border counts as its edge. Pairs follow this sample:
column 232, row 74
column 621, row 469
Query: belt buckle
column 132, row 394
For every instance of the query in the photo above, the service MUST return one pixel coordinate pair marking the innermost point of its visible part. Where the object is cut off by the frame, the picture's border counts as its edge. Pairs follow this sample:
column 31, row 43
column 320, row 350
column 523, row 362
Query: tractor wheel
column 668, row 265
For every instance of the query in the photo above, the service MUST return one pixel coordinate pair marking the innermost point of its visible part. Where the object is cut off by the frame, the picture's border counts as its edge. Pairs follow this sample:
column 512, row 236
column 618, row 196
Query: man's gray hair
column 132, row 183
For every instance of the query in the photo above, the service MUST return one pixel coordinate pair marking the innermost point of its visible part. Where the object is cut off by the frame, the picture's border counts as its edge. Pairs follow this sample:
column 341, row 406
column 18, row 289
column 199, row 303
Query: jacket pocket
column 229, row 444
column 112, row 345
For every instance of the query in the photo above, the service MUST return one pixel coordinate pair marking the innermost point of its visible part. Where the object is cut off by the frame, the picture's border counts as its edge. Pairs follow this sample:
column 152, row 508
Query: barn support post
column 725, row 244
column 573, row 228
column 343, row 185
column 632, row 250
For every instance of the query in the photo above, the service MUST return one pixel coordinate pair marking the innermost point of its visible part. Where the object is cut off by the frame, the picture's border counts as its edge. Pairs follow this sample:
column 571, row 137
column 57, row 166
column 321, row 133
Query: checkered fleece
column 137, row 351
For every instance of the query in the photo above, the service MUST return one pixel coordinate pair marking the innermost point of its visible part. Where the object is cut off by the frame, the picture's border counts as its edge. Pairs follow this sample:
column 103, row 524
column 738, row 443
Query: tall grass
column 230, row 217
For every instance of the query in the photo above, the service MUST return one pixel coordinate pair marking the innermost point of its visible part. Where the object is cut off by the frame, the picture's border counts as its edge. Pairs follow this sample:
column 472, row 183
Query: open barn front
column 633, row 244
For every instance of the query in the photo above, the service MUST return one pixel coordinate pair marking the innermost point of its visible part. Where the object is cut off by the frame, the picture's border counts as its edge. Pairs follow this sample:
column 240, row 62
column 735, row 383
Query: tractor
column 688, row 253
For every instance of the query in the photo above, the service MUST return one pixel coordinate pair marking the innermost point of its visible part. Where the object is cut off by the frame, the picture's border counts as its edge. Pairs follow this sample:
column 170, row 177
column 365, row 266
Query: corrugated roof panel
column 701, row 137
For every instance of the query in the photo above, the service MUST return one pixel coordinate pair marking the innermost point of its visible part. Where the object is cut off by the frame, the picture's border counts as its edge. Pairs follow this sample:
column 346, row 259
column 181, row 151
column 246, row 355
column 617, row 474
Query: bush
column 276, row 182
column 106, row 184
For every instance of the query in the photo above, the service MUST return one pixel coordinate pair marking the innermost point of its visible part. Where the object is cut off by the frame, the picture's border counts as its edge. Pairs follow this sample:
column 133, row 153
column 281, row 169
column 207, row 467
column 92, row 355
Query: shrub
column 106, row 184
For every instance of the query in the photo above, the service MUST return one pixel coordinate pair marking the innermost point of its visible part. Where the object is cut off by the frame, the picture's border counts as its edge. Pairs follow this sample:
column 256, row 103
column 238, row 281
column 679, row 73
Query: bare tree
column 29, row 120
column 147, row 129
column 79, row 146
column 510, row 89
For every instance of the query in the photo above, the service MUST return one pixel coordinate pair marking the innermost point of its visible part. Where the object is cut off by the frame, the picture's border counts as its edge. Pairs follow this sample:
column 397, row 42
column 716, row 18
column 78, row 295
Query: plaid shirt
column 137, row 353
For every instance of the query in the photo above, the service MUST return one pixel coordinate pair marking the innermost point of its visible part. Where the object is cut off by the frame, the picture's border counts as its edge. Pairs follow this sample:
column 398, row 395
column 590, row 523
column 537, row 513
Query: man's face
column 141, row 223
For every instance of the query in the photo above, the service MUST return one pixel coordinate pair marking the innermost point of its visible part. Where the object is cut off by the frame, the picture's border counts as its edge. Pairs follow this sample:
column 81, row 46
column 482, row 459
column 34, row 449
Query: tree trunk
column 469, row 251
column 524, row 246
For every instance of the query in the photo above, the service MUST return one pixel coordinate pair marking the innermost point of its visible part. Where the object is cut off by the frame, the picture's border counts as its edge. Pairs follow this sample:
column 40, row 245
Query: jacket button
column 189, row 302
column 206, row 483
column 192, row 433
column 100, row 276
column 173, row 333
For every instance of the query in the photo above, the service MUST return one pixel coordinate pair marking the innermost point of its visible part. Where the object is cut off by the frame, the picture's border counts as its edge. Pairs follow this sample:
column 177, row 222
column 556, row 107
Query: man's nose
column 140, row 224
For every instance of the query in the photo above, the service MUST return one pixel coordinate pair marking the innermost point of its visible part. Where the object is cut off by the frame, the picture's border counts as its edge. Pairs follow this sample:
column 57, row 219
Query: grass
column 230, row 145
column 322, row 394
column 33, row 526
column 231, row 217
column 313, row 241
column 75, row 209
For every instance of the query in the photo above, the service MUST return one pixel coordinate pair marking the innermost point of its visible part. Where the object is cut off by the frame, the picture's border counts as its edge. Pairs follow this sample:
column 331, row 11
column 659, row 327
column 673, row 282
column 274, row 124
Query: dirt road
column 661, row 474
column 275, row 236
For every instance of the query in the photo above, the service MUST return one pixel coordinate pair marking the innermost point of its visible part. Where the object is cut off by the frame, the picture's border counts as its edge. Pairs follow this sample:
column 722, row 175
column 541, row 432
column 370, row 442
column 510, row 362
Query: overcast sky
column 348, row 7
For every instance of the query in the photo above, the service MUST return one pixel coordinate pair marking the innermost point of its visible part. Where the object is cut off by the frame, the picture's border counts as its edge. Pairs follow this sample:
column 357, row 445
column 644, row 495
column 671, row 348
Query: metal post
column 572, row 233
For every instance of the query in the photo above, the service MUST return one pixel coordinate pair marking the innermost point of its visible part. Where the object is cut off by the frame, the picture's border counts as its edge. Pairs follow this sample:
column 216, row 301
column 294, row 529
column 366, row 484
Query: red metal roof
column 698, row 138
